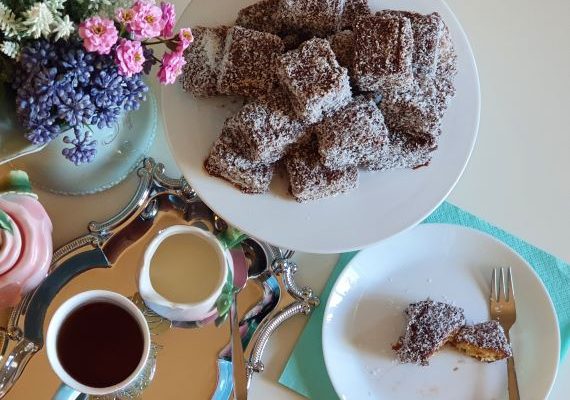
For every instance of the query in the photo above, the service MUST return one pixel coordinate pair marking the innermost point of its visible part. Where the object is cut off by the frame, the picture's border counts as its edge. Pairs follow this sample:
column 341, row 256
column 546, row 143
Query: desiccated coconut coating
column 352, row 10
column 260, row 16
column 446, row 70
column 342, row 44
column 310, row 180
column 226, row 161
column 354, row 135
column 203, row 58
column 402, row 151
column 318, row 17
column 248, row 65
column 383, row 53
column 485, row 341
column 314, row 80
column 428, row 31
column 266, row 127
column 430, row 325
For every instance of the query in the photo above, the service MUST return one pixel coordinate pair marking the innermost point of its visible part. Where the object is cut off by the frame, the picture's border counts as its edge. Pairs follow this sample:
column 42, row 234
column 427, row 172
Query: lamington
column 352, row 10
column 352, row 136
column 430, row 325
column 342, row 44
column 402, row 151
column 248, row 65
column 383, row 53
column 227, row 162
column 314, row 80
column 203, row 58
column 428, row 31
column 486, row 341
column 260, row 16
column 446, row 70
column 266, row 127
column 318, row 17
column 309, row 179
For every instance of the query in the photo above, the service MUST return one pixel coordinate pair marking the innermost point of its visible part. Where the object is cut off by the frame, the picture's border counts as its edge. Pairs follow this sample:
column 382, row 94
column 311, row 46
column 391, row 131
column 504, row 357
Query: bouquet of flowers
column 75, row 64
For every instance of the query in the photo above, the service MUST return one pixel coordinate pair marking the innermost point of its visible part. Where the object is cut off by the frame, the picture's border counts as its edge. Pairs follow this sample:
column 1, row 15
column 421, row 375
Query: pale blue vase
column 119, row 151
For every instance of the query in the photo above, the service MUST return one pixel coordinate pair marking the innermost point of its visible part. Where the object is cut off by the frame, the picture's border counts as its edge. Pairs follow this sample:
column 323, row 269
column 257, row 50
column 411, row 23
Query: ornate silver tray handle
column 106, row 257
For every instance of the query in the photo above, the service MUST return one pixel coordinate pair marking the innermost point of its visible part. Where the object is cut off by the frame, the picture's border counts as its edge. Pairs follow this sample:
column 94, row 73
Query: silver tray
column 190, row 363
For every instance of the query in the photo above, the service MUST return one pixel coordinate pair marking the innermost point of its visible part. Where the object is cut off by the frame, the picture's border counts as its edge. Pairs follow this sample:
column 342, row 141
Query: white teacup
column 185, row 311
column 72, row 388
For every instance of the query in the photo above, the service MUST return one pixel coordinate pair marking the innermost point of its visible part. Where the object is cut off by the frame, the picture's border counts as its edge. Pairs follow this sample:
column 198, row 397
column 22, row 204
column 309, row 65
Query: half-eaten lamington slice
column 430, row 325
column 314, row 80
column 310, row 179
column 317, row 17
column 428, row 29
column 226, row 161
column 248, row 65
column 353, row 135
column 203, row 58
column 485, row 341
column 383, row 53
column 402, row 151
column 266, row 127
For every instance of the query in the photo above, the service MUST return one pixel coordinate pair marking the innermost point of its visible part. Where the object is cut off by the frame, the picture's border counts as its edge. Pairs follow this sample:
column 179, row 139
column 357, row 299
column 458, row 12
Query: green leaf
column 6, row 223
column 232, row 237
column 16, row 181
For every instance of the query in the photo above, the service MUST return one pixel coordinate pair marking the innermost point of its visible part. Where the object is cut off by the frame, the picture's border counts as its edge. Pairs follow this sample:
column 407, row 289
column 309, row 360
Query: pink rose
column 185, row 37
column 129, row 57
column 172, row 64
column 98, row 34
column 168, row 18
column 124, row 16
column 147, row 22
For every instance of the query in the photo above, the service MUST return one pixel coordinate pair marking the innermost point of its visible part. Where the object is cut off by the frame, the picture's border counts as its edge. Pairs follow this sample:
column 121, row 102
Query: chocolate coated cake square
column 383, row 53
column 352, row 10
column 354, row 135
column 248, row 65
column 260, row 16
column 314, row 80
column 309, row 179
column 342, row 44
column 266, row 127
column 318, row 17
column 203, row 59
column 227, row 162
column 485, row 341
column 428, row 31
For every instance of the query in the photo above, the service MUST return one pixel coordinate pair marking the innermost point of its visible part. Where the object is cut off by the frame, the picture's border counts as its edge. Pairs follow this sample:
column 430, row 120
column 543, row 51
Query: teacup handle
column 65, row 392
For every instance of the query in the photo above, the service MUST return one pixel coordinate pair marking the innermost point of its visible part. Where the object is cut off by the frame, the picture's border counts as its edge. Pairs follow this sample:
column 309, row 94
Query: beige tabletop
column 517, row 177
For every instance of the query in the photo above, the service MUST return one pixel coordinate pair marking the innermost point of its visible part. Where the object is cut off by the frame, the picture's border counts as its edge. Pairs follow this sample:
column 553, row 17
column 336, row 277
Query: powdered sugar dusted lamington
column 248, row 65
column 428, row 31
column 226, row 161
column 383, row 53
column 352, row 136
column 260, row 16
column 401, row 151
column 352, row 10
column 314, row 80
column 203, row 58
column 430, row 325
column 266, row 127
column 318, row 17
column 309, row 179
column 485, row 341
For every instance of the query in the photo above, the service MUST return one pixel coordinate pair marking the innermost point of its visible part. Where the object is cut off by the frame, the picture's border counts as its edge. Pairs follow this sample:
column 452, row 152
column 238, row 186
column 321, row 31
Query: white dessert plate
column 383, row 205
column 364, row 317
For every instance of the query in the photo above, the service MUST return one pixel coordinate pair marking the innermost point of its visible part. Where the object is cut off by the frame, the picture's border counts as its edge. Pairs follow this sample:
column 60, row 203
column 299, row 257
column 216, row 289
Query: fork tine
column 511, row 285
column 503, row 286
column 494, row 285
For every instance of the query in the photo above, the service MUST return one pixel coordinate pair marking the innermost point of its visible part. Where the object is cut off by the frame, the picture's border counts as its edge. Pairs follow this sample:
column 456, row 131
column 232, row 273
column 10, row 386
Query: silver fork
column 502, row 304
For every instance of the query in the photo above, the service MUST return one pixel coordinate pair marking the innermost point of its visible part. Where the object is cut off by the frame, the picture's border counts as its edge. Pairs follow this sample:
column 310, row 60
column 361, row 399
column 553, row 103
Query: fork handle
column 512, row 375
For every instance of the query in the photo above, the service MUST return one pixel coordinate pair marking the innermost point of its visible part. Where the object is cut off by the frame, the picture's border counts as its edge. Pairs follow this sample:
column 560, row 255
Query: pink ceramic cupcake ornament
column 25, row 239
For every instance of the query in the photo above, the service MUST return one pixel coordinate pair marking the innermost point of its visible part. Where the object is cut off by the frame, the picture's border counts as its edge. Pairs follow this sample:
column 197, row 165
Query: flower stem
column 157, row 42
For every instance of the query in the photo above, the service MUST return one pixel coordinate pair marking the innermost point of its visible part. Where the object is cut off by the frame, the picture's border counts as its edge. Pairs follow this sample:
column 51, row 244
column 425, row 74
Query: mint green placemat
column 305, row 372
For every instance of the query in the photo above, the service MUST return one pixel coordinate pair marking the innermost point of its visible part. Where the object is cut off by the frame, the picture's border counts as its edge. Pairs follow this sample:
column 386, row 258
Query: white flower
column 55, row 5
column 8, row 24
column 11, row 49
column 63, row 27
column 37, row 21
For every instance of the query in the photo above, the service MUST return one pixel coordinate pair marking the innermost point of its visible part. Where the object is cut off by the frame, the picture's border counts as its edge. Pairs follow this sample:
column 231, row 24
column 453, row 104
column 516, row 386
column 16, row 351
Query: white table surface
column 517, row 177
